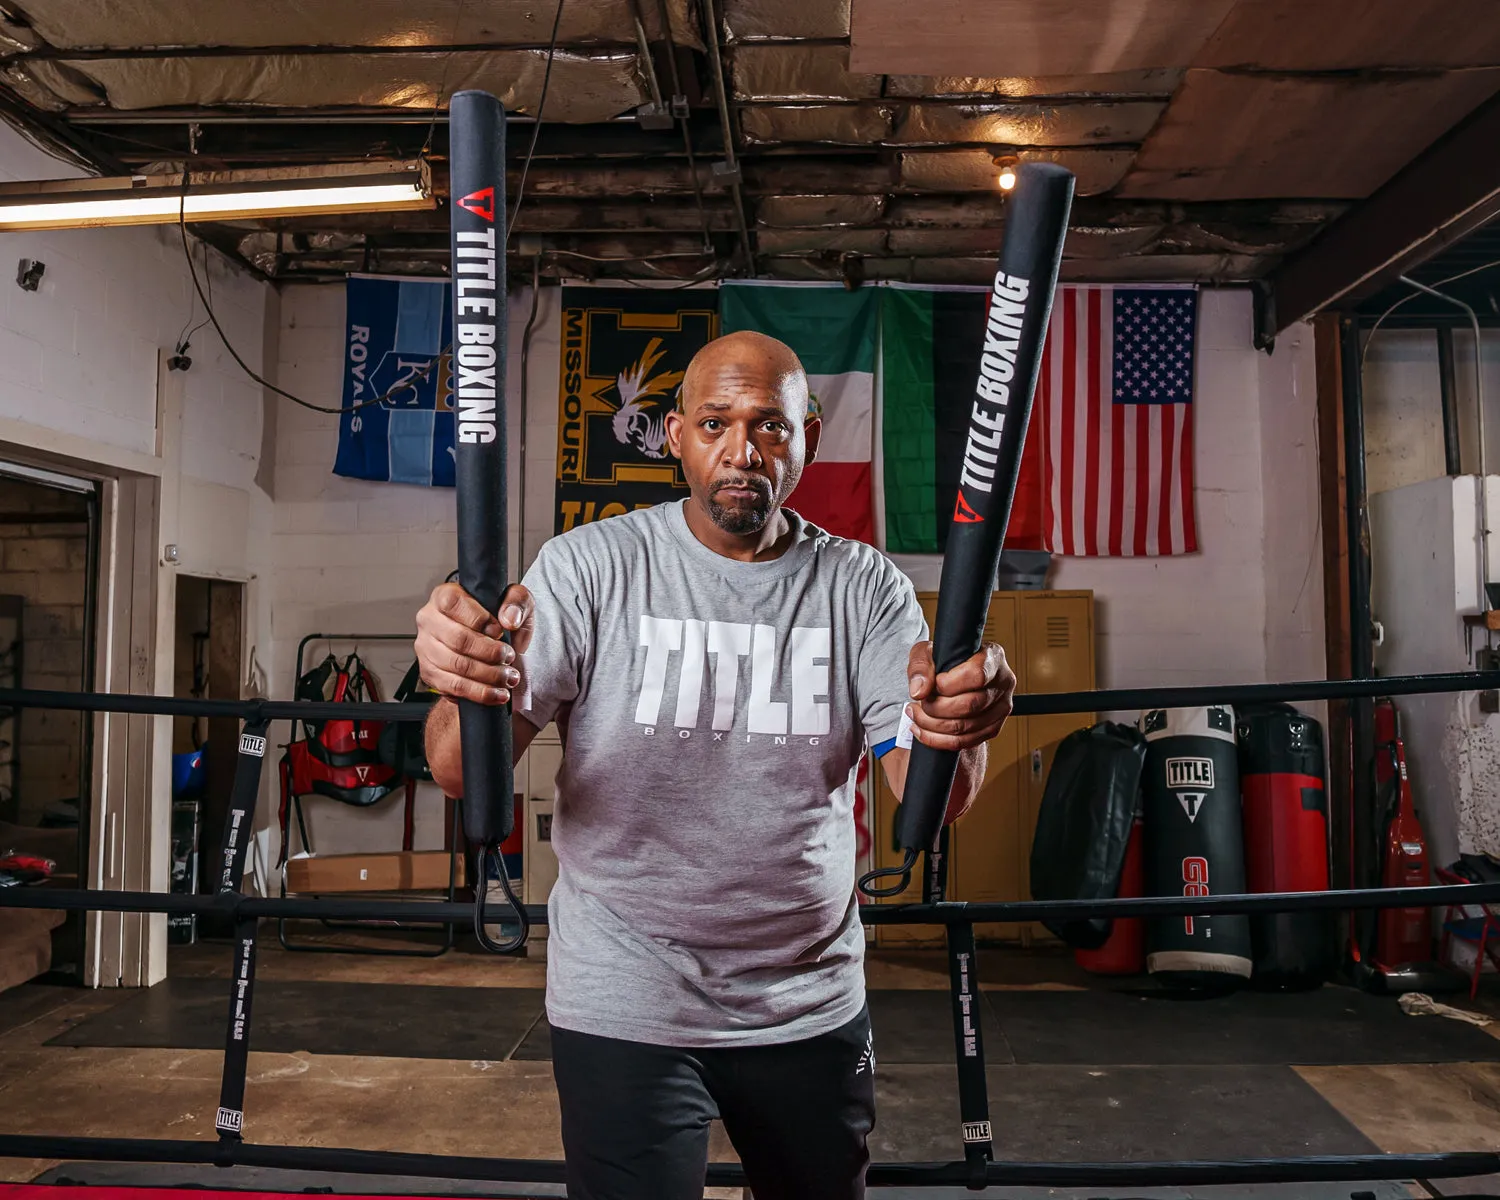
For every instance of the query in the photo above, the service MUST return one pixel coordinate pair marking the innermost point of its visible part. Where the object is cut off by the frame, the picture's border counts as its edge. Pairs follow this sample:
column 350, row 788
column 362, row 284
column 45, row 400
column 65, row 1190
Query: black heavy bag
column 1083, row 825
column 1020, row 303
column 1286, row 842
column 1191, row 804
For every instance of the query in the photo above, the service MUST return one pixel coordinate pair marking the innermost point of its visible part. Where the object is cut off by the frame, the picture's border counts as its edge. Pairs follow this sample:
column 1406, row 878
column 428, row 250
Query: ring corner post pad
column 1019, row 309
column 477, row 226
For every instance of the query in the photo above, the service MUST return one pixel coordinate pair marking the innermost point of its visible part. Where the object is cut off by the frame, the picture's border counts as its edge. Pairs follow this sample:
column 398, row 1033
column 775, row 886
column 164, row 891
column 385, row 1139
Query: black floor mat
column 917, row 1027
column 910, row 1027
column 31, row 1001
column 394, row 1020
column 1334, row 1025
column 1127, row 1114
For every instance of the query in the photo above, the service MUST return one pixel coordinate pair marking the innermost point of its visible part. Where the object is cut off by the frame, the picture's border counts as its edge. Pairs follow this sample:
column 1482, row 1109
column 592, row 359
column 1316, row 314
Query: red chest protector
column 339, row 758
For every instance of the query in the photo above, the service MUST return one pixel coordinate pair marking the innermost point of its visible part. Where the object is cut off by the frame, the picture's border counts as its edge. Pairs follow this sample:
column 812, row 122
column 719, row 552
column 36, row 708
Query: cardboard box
column 402, row 871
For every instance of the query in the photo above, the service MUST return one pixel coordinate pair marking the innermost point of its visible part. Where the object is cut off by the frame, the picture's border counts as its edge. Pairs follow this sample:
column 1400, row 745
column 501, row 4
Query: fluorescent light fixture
column 216, row 196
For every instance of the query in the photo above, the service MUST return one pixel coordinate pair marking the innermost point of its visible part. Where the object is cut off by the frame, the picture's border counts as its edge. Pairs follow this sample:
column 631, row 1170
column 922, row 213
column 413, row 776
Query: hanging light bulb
column 1007, row 164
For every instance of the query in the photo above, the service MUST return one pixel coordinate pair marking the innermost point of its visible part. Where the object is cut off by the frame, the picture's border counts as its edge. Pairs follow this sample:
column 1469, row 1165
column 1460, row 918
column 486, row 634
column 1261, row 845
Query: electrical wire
column 536, row 128
column 437, row 100
column 185, row 334
column 1369, row 337
column 213, row 320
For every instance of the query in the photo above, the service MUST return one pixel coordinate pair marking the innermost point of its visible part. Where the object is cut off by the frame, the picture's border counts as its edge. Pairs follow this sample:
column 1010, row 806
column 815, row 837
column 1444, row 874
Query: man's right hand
column 458, row 644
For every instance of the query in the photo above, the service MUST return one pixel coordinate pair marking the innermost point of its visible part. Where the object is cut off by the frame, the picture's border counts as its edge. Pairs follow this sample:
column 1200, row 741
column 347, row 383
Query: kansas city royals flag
column 398, row 341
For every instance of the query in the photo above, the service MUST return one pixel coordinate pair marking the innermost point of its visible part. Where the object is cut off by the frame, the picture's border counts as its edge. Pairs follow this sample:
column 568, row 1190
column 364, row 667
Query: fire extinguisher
column 1405, row 934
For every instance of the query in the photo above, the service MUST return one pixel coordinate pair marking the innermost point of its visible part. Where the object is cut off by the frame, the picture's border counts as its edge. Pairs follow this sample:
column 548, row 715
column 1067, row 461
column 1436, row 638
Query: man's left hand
column 963, row 707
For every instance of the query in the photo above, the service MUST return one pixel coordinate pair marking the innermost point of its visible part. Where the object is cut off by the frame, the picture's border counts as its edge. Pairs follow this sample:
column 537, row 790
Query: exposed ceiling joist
column 1444, row 194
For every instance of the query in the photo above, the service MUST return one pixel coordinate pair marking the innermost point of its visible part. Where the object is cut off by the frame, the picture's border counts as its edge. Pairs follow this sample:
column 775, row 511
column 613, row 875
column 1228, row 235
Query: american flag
column 1115, row 409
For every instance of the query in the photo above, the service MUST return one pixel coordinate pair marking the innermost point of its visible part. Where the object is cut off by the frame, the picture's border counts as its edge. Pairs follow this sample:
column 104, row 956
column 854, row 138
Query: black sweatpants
column 635, row 1117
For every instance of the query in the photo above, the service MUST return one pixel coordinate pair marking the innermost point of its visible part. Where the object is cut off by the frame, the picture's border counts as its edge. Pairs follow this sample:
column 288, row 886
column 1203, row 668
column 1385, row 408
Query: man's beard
column 741, row 520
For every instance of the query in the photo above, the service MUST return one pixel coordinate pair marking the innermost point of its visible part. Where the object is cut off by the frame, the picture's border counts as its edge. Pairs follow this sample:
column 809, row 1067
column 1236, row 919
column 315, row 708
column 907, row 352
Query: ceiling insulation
column 1161, row 83
column 1030, row 37
column 114, row 24
column 843, row 124
column 1210, row 137
column 584, row 88
column 1230, row 136
column 815, row 241
column 747, row 20
column 819, row 212
column 1319, row 35
column 974, row 170
column 798, row 73
column 1078, row 124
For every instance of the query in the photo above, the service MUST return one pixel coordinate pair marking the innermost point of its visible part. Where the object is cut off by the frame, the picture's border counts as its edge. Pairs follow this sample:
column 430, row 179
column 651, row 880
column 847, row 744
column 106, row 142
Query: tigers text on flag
column 832, row 331
column 398, row 341
column 1115, row 409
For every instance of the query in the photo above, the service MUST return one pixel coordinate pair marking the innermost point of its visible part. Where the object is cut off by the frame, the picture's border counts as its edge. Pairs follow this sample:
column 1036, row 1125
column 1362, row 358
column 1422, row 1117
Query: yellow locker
column 1049, row 642
column 1057, row 646
column 888, row 855
column 1057, row 642
column 982, row 843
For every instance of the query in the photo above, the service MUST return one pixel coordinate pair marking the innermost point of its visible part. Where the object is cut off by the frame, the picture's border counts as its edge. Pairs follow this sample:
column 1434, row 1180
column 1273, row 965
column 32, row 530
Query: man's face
column 742, row 439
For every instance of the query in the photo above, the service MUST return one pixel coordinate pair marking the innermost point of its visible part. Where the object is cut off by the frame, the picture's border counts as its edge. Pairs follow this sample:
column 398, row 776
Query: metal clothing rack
column 455, row 845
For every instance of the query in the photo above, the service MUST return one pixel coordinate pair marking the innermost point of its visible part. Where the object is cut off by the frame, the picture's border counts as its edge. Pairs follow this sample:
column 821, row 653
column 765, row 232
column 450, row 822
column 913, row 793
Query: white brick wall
column 353, row 556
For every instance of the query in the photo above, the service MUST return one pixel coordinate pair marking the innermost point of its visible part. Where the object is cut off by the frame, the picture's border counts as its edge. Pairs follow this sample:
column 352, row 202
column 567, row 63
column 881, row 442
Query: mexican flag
column 832, row 331
column 931, row 340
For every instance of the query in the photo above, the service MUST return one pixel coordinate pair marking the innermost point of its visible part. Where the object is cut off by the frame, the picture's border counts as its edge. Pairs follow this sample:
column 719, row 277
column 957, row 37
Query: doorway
column 48, row 580
column 208, row 645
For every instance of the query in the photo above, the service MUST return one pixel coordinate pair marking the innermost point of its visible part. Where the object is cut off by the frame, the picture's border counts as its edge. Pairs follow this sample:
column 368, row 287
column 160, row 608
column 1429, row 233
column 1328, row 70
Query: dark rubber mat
column 1335, row 1026
column 31, row 1001
column 389, row 1020
column 910, row 1027
column 1126, row 1114
column 917, row 1027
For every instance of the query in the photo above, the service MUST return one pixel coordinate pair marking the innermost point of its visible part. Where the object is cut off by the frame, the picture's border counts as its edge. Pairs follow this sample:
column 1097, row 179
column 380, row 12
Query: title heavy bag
column 1286, row 842
column 1194, row 844
column 1083, row 824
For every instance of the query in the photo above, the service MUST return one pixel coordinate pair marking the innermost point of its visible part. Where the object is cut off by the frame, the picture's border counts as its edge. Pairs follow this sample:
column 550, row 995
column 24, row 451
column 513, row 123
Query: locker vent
column 1059, row 631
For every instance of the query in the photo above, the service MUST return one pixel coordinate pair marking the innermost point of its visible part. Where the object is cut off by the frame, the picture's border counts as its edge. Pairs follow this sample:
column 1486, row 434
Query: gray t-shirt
column 713, row 715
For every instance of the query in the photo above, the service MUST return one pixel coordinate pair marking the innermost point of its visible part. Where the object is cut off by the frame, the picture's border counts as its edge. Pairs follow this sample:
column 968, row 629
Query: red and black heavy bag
column 1083, row 824
column 1286, row 842
column 1190, row 800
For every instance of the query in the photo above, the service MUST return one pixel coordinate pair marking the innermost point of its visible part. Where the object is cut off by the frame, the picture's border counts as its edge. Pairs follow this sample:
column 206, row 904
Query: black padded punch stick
column 1020, row 306
column 476, row 133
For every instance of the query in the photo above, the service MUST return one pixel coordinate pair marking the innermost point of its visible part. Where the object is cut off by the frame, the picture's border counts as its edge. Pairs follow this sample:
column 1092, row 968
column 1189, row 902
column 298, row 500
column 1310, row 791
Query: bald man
column 717, row 668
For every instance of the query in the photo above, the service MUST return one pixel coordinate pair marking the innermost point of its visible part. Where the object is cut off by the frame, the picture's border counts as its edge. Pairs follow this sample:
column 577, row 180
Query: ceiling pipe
column 415, row 116
column 711, row 36
column 678, row 105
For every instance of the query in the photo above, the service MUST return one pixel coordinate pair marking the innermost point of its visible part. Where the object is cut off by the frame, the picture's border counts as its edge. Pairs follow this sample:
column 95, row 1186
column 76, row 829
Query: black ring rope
column 949, row 912
column 1031, row 704
column 977, row 1170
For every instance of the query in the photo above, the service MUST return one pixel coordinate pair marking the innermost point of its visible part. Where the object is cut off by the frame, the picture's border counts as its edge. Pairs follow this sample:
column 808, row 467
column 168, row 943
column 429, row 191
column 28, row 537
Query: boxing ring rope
column 976, row 1170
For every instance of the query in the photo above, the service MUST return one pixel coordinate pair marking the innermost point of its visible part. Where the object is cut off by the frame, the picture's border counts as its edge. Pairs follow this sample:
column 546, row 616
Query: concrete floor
column 509, row 1108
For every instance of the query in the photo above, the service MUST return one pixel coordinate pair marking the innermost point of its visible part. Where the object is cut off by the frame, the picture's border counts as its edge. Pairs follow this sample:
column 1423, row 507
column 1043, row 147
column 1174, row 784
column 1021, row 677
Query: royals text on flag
column 1115, row 415
column 398, row 343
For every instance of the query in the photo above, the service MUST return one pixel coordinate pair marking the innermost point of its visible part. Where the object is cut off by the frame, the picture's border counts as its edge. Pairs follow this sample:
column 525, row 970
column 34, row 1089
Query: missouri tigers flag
column 832, row 331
